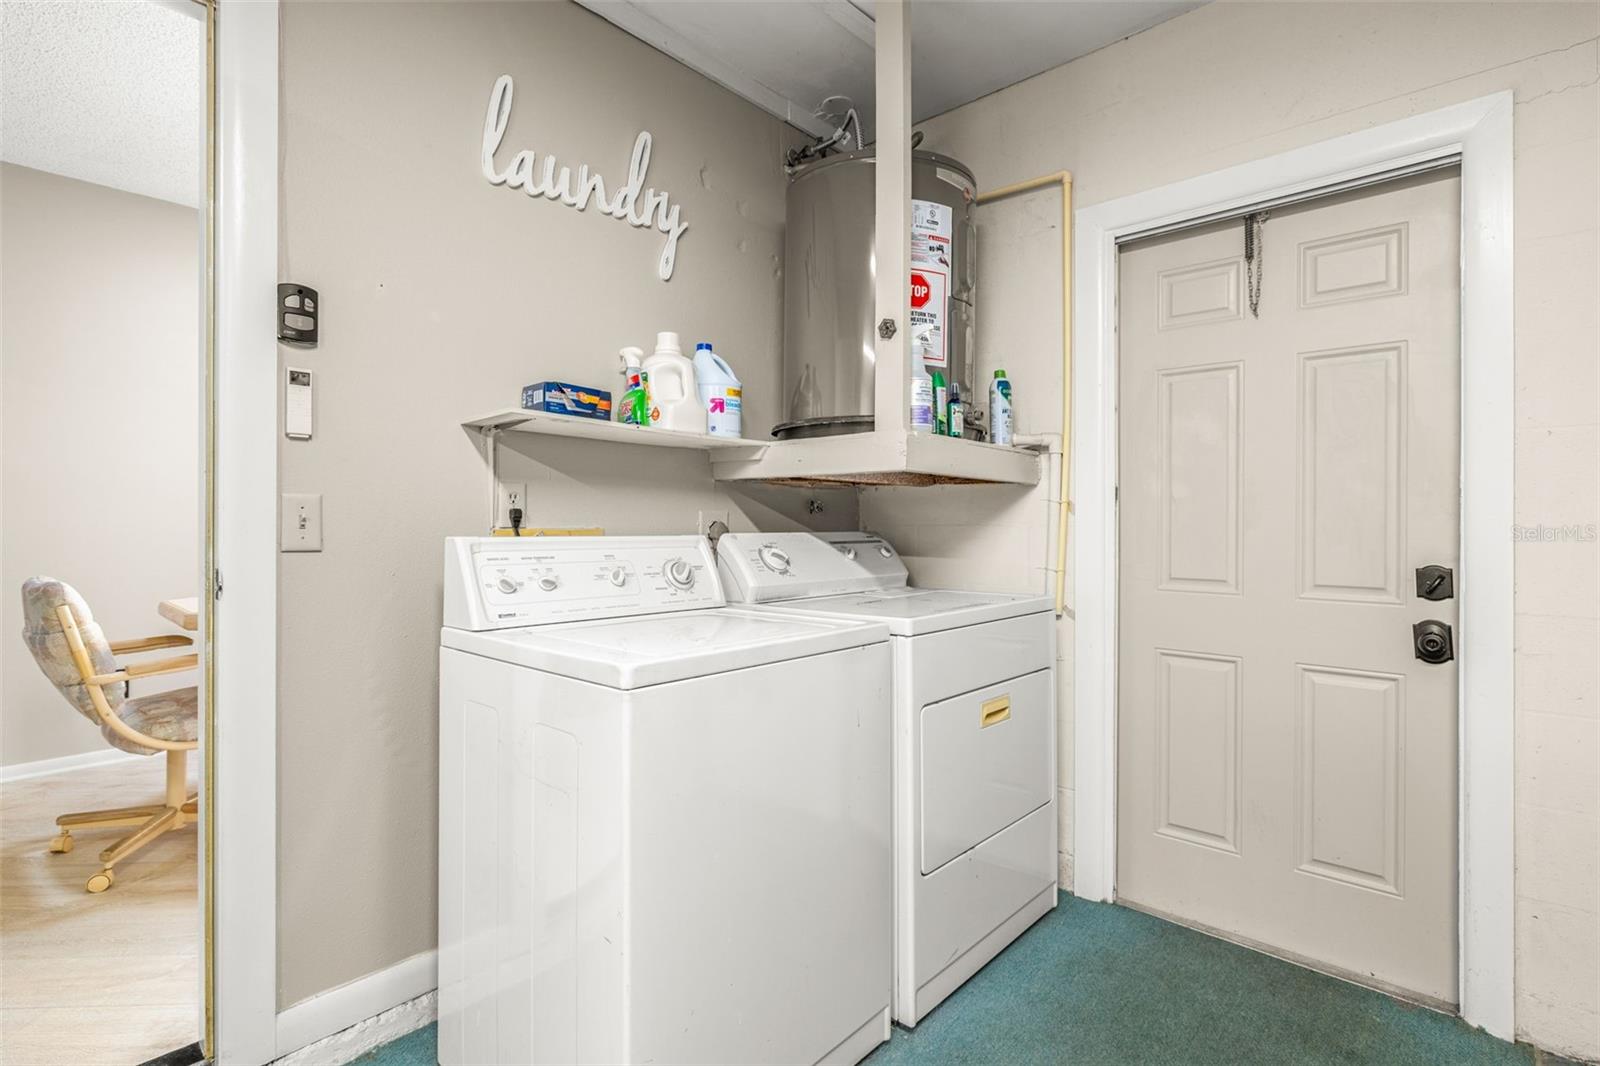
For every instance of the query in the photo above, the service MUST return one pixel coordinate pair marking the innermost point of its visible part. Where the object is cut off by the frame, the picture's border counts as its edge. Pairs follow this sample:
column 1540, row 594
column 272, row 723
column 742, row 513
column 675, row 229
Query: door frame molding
column 1479, row 132
column 243, row 800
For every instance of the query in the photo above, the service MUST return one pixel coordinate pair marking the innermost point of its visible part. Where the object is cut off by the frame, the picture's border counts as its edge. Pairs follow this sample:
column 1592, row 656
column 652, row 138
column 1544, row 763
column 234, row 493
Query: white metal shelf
column 518, row 420
column 881, row 459
column 852, row 459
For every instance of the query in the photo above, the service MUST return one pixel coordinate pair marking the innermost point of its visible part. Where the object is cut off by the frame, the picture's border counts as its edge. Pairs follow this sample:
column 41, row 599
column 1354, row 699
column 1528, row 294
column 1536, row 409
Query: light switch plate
column 300, row 523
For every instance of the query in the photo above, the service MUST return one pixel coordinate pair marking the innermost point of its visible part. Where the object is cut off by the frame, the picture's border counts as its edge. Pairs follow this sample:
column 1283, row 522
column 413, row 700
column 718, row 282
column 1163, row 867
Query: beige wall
column 98, row 453
column 1234, row 82
column 442, row 296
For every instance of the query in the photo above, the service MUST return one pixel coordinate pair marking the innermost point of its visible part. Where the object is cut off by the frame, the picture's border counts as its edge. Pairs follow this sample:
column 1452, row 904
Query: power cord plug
column 516, row 521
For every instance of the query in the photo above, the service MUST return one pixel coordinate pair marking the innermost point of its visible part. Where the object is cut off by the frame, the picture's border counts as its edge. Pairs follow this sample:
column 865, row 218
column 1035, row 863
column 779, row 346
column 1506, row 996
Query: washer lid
column 631, row 653
column 911, row 612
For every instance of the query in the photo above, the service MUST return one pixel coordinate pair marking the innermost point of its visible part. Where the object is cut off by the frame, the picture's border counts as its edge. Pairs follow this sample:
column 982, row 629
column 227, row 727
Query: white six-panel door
column 1286, row 764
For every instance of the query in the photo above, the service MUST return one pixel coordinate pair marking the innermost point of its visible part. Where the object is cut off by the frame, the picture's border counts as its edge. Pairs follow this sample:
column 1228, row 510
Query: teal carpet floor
column 1096, row 984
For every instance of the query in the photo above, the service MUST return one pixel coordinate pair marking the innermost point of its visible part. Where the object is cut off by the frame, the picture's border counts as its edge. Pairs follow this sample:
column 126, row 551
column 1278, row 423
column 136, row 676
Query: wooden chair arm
column 164, row 640
column 174, row 665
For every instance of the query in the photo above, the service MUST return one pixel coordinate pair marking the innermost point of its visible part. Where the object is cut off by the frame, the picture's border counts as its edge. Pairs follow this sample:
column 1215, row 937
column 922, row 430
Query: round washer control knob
column 680, row 575
column 883, row 550
column 508, row 585
column 849, row 553
column 618, row 576
column 774, row 559
column 549, row 582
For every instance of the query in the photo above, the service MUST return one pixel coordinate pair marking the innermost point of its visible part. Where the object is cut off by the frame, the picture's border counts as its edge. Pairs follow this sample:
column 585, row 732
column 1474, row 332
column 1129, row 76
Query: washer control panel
column 498, row 582
column 764, row 567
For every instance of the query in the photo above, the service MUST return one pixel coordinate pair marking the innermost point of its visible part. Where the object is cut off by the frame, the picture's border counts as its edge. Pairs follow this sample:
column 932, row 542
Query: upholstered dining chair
column 72, row 651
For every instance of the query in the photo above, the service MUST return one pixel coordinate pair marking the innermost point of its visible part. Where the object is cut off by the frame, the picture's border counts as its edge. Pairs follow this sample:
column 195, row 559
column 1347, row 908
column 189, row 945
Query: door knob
column 1435, row 583
column 1433, row 642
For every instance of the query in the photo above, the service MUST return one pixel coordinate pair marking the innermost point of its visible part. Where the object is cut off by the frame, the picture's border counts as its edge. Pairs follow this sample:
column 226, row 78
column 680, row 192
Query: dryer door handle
column 995, row 711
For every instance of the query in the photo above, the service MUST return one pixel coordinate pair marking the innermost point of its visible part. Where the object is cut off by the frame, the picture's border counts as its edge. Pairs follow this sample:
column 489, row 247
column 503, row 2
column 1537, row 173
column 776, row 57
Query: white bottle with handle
column 674, row 392
column 721, row 394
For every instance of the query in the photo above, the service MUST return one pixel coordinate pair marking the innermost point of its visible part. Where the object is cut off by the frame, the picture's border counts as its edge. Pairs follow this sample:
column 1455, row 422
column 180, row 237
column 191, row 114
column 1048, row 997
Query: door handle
column 995, row 711
column 1433, row 641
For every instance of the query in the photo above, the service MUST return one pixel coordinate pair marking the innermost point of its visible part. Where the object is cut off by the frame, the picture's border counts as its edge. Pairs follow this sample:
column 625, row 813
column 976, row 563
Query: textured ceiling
column 788, row 56
column 105, row 92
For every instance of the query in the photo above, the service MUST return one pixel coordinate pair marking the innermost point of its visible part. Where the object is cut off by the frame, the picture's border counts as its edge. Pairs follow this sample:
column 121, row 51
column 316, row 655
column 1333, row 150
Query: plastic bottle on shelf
column 674, row 393
column 634, row 410
column 958, row 412
column 1000, row 424
column 721, row 395
column 921, row 395
column 941, row 404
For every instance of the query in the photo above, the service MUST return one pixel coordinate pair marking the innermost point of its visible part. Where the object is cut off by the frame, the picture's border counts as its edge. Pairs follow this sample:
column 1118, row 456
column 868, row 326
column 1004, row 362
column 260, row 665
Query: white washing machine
column 975, row 751
column 664, row 823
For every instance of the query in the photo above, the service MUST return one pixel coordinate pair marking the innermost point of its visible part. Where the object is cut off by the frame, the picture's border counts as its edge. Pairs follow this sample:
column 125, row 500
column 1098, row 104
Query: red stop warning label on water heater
column 919, row 290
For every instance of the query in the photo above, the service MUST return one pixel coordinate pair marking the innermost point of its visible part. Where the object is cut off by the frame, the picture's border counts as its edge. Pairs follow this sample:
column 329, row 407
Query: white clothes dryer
column 975, row 749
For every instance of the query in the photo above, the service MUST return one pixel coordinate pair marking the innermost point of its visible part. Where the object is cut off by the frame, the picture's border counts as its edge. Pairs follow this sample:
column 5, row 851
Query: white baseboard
column 22, row 771
column 344, row 1023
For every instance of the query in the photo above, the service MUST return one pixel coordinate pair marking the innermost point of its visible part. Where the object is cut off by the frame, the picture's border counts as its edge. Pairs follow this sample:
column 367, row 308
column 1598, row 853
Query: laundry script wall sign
column 633, row 203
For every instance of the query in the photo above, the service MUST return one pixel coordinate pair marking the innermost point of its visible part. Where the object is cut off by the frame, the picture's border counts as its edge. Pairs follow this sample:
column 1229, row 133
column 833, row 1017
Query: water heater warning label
column 930, row 281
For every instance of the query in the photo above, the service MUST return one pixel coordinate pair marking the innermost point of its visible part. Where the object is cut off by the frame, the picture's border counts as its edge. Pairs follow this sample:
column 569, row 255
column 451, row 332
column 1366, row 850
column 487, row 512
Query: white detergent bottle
column 674, row 395
column 720, row 393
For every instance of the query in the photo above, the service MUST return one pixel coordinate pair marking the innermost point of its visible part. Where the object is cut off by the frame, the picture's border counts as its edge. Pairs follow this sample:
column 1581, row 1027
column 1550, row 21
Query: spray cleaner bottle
column 634, row 410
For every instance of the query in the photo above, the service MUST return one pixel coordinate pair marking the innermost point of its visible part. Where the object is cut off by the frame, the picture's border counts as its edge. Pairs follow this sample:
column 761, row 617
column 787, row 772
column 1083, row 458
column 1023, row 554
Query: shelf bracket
column 491, row 438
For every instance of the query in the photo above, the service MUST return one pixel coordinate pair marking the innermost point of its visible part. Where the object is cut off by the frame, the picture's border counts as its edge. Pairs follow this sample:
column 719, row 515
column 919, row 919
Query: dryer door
column 987, row 760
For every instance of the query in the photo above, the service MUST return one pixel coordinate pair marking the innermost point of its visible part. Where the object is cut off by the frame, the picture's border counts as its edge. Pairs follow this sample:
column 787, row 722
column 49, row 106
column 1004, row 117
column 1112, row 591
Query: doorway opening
column 105, row 196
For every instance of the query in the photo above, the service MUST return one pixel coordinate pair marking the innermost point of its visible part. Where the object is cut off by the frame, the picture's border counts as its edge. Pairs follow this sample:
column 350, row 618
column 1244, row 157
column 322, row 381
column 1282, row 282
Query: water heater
column 829, row 325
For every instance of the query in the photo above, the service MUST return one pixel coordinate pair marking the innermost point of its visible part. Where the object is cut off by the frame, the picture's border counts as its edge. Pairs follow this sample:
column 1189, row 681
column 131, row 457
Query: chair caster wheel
column 60, row 845
column 100, row 881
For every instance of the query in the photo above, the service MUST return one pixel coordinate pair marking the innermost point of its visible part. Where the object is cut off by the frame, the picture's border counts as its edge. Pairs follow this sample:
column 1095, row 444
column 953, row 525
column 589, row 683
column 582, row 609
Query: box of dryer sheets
column 560, row 398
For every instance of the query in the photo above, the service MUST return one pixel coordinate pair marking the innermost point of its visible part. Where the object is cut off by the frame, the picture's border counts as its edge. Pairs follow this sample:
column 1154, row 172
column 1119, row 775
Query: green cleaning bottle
column 941, row 405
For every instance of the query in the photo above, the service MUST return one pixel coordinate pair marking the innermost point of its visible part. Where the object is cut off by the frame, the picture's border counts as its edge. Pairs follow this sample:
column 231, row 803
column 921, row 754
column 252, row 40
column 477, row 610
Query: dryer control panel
column 766, row 567
column 501, row 582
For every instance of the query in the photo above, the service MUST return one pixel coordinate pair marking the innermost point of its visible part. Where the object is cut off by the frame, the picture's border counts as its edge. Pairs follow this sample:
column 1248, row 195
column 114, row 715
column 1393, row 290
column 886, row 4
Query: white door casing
column 1287, row 765
column 1478, row 132
column 243, row 801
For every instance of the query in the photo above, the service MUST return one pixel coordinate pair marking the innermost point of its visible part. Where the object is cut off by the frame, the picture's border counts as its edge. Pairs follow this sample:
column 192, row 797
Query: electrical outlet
column 300, row 523
column 705, row 518
column 510, row 494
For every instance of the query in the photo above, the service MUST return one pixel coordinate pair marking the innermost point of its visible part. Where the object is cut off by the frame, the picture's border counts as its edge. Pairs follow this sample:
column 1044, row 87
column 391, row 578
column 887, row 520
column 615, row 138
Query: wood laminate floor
column 85, row 979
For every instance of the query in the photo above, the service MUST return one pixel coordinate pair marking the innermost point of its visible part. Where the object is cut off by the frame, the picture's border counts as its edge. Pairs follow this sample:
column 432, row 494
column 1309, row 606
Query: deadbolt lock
column 1436, row 583
column 1433, row 641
